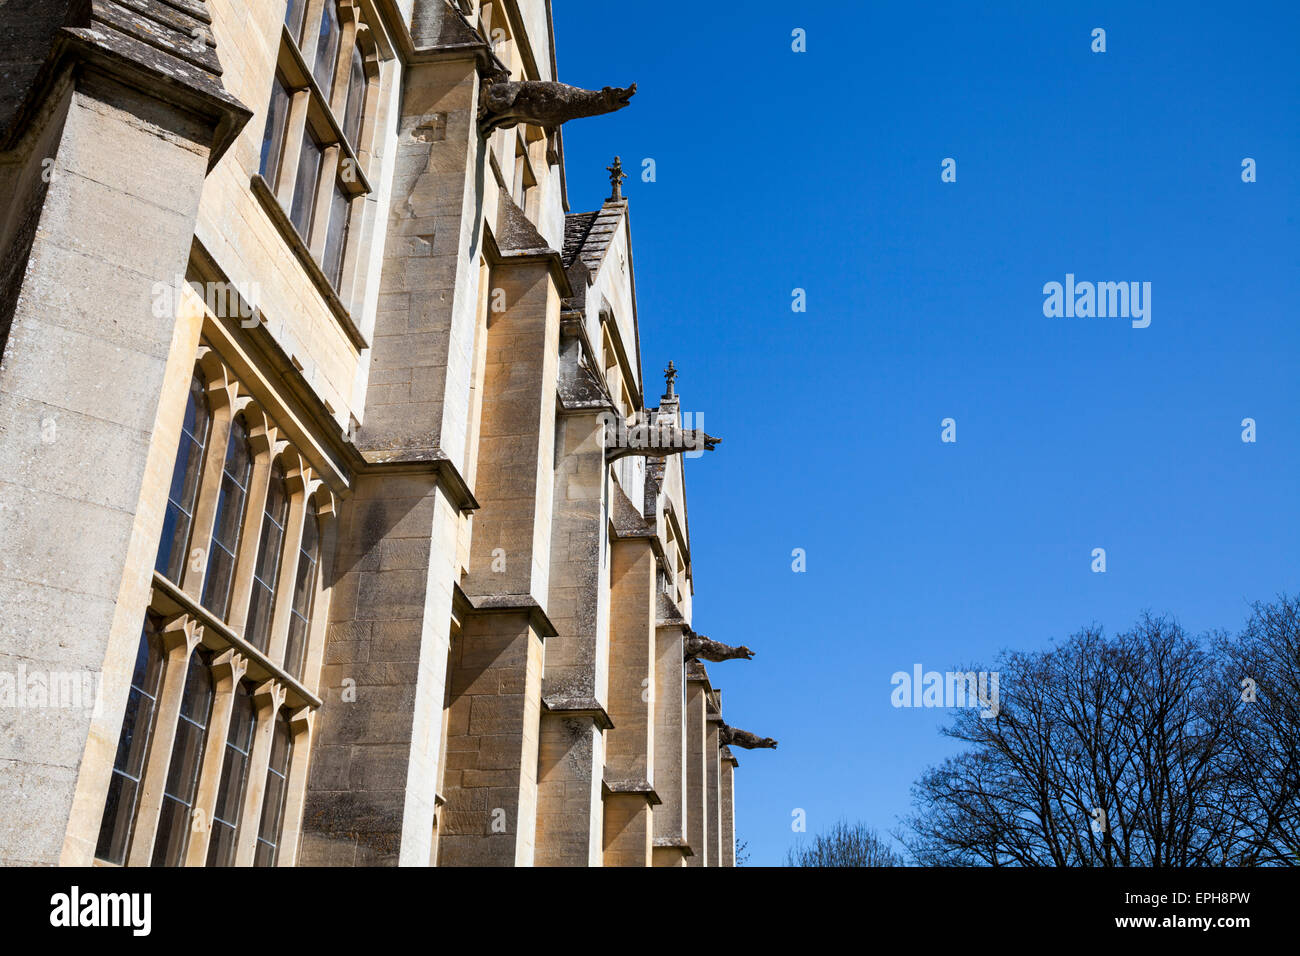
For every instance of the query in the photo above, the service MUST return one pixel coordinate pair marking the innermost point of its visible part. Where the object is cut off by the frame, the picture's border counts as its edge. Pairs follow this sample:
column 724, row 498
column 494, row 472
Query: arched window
column 266, row 573
column 185, row 482
column 229, row 520
column 234, row 778
column 132, row 746
column 327, row 48
column 187, row 756
column 277, row 774
column 304, row 591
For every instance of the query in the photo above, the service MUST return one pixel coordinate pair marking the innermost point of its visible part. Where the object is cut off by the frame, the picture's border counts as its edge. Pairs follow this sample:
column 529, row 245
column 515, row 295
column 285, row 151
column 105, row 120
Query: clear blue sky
column 821, row 170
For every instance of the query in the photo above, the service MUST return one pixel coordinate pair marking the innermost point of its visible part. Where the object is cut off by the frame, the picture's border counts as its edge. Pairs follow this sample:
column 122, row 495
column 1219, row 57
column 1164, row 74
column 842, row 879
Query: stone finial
column 731, row 736
column 616, row 180
column 670, row 375
column 699, row 647
column 505, row 103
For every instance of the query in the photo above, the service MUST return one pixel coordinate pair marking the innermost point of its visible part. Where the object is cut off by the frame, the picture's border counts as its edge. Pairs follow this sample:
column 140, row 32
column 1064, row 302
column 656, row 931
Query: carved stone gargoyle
column 504, row 103
column 655, row 441
column 732, row 737
column 699, row 647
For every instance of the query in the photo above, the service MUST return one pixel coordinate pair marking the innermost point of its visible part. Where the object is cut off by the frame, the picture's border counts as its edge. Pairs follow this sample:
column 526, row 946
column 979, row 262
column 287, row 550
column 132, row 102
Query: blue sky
column 820, row 170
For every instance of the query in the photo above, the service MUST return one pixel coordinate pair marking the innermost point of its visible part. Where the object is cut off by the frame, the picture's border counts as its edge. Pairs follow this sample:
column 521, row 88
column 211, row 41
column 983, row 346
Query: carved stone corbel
column 180, row 635
column 230, row 666
column 301, row 720
column 269, row 696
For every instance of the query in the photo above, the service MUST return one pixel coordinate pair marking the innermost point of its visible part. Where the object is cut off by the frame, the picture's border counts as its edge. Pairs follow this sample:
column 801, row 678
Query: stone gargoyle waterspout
column 654, row 440
column 699, row 647
column 504, row 103
column 730, row 736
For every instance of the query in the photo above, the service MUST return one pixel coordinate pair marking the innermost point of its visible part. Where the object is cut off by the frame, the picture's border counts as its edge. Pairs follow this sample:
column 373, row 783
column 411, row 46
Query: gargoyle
column 700, row 647
column 732, row 737
column 655, row 441
column 505, row 103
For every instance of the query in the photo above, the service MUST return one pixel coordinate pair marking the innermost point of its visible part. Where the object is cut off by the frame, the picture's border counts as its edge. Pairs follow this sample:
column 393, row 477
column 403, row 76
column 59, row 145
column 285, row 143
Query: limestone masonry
column 327, row 467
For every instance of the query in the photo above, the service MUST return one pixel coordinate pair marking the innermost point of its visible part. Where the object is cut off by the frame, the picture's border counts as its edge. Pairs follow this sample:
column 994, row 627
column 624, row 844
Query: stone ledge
column 168, row 597
column 673, row 843
column 513, row 604
column 643, row 787
column 401, row 461
column 580, row 707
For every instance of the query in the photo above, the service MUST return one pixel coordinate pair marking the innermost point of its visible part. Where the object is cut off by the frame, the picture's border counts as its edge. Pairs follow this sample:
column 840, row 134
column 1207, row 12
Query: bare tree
column 742, row 852
column 1104, row 751
column 1261, row 669
column 845, row 844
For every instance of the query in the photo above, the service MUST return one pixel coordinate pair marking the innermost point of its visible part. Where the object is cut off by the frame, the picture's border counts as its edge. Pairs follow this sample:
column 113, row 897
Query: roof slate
column 587, row 235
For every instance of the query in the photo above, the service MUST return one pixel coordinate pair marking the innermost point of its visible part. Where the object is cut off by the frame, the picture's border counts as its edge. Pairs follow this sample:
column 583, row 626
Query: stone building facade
column 325, row 451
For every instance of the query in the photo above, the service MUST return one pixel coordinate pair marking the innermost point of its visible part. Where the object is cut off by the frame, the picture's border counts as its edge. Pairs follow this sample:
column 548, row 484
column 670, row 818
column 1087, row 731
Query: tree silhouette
column 845, row 844
column 1148, row 748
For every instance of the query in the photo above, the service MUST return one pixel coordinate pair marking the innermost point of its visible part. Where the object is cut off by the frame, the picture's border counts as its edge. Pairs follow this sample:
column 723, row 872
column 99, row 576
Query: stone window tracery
column 133, row 744
column 315, row 146
column 186, row 758
column 271, row 828
column 234, row 779
column 219, row 699
column 224, row 546
column 179, row 517
column 294, row 13
column 275, row 518
column 277, row 118
column 303, row 594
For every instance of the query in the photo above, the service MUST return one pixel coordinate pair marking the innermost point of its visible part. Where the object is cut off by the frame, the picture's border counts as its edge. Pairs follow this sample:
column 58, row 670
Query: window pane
column 277, row 773
column 336, row 241
column 277, row 115
column 185, row 483
column 293, row 16
column 132, row 745
column 356, row 99
column 229, row 520
column 234, row 779
column 327, row 49
column 303, row 592
column 187, row 756
column 275, row 515
column 304, row 190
